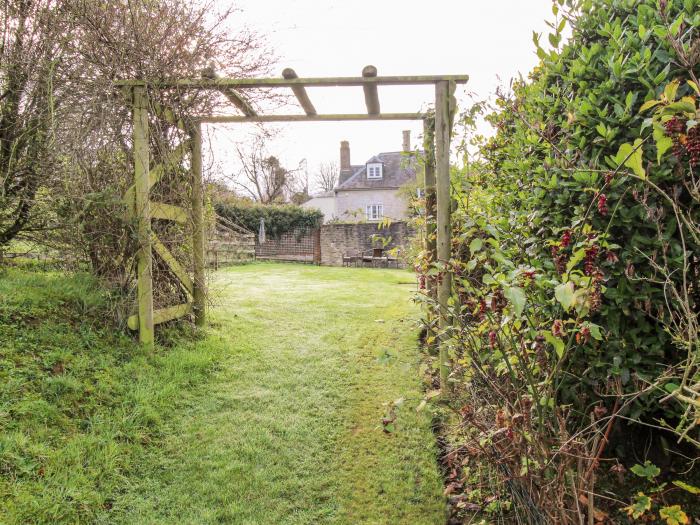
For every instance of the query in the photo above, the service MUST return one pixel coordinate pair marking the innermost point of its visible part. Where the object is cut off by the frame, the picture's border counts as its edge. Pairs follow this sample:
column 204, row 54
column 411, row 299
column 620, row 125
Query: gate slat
column 173, row 263
column 162, row 315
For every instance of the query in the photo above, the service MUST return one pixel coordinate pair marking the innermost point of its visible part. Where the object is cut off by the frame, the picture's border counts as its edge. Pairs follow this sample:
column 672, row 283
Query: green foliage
column 674, row 515
column 641, row 504
column 79, row 401
column 572, row 159
column 648, row 470
column 95, row 430
column 579, row 203
column 279, row 218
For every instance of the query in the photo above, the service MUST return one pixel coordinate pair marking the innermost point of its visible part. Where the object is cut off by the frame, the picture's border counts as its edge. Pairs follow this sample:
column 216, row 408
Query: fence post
column 444, row 227
column 198, row 234
column 144, row 258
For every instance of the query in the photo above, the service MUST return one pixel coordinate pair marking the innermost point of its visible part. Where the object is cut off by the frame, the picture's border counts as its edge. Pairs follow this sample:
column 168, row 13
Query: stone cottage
column 371, row 191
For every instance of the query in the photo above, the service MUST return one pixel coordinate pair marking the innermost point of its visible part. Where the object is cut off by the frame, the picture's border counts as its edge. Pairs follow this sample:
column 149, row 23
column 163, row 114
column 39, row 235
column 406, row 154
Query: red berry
column 565, row 238
column 492, row 339
column 602, row 204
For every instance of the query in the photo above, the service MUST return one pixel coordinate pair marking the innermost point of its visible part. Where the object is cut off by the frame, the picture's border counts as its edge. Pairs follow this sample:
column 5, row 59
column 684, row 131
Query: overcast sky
column 491, row 41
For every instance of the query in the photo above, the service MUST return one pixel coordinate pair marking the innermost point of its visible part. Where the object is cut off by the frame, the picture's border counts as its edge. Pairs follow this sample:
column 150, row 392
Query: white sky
column 490, row 40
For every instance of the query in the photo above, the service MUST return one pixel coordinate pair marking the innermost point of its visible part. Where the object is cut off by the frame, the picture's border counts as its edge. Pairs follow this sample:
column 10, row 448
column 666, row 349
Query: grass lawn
column 273, row 417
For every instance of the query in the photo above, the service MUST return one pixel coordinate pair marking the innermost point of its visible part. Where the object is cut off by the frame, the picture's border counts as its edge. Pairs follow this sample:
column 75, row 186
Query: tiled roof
column 398, row 169
column 323, row 194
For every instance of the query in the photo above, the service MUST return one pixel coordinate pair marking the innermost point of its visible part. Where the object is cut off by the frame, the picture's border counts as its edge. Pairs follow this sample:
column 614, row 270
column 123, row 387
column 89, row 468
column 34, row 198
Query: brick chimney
column 345, row 169
column 407, row 140
column 344, row 155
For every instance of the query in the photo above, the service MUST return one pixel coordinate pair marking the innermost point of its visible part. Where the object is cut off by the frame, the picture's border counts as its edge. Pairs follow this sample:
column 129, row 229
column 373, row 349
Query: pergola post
column 198, row 233
column 144, row 256
column 430, row 209
column 444, row 228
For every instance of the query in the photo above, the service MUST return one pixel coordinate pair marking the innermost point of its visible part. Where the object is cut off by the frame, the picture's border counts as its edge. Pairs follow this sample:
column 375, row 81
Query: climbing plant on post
column 430, row 214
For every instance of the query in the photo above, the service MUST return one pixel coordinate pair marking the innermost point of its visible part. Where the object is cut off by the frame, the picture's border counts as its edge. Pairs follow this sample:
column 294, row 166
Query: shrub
column 575, row 256
column 279, row 218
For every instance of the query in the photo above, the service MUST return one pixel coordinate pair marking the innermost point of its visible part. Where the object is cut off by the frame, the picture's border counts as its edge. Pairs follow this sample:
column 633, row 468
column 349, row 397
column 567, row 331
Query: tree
column 326, row 176
column 151, row 40
column 32, row 89
column 262, row 176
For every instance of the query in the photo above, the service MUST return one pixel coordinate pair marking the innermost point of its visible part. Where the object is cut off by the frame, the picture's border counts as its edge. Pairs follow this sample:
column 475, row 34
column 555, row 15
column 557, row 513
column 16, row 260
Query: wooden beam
column 162, row 315
column 168, row 114
column 247, row 83
column 173, row 264
column 222, row 119
column 198, row 229
column 154, row 175
column 231, row 94
column 142, row 188
column 371, row 95
column 168, row 212
column 444, row 227
column 300, row 92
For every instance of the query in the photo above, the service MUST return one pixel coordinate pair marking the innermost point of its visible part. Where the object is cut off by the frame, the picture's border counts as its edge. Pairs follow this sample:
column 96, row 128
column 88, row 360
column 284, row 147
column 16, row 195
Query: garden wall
column 299, row 245
column 354, row 239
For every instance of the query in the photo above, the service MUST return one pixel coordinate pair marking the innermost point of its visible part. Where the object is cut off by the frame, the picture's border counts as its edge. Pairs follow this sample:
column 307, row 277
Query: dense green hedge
column 279, row 218
column 561, row 141
column 576, row 252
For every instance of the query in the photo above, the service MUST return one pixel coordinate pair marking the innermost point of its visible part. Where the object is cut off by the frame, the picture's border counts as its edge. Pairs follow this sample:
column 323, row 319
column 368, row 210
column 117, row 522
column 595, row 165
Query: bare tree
column 149, row 40
column 32, row 86
column 326, row 176
column 262, row 177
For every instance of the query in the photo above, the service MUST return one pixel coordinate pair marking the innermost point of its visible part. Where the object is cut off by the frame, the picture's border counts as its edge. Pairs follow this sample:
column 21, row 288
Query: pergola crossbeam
column 218, row 119
column 231, row 94
column 371, row 95
column 248, row 83
column 300, row 93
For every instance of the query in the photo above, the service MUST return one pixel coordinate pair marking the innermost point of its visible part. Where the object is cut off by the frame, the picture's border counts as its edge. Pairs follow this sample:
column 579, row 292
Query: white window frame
column 374, row 170
column 375, row 212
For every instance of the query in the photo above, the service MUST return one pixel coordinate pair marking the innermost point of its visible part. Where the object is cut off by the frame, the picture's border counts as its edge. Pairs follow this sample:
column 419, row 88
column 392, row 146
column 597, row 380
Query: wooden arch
column 437, row 132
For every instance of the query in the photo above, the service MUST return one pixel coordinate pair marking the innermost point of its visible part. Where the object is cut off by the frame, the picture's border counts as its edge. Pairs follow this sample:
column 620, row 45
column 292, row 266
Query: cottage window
column 374, row 171
column 375, row 212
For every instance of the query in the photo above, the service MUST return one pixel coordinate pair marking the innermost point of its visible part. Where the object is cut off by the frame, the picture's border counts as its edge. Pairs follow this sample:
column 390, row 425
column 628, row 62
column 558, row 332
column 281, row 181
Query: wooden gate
column 140, row 207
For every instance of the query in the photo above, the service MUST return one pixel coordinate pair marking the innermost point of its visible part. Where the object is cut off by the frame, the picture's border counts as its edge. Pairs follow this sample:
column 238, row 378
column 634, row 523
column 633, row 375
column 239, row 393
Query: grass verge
column 273, row 417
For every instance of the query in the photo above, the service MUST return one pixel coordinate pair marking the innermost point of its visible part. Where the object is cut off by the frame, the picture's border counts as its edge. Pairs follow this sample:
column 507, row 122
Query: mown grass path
column 288, row 431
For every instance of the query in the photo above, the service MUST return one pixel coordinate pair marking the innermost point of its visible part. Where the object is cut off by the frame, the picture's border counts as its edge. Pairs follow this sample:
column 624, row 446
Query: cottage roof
column 399, row 167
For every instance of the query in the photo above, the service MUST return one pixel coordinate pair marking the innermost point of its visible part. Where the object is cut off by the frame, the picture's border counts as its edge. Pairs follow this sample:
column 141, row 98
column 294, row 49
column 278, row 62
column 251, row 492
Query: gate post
column 198, row 234
column 144, row 257
column 444, row 227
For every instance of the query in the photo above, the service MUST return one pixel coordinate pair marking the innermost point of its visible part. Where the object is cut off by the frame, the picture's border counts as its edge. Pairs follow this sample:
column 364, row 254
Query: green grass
column 273, row 417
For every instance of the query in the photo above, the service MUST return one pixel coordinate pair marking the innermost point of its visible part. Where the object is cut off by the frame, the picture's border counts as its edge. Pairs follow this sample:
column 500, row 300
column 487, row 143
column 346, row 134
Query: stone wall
column 354, row 239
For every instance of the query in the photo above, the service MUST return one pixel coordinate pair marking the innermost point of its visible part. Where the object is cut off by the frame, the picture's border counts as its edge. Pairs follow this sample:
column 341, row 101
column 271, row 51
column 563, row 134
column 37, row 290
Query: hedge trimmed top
column 279, row 218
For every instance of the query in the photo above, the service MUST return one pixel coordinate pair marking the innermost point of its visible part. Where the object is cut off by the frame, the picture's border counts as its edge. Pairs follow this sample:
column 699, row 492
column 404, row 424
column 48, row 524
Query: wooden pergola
column 437, row 132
